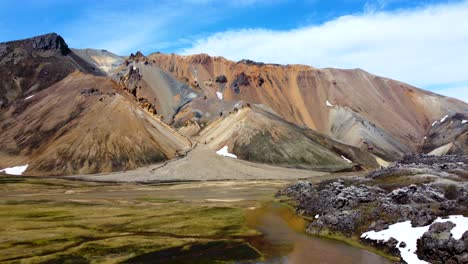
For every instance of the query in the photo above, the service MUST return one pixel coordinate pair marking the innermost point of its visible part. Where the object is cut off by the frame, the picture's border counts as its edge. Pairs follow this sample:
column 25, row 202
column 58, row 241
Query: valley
column 166, row 158
column 64, row 221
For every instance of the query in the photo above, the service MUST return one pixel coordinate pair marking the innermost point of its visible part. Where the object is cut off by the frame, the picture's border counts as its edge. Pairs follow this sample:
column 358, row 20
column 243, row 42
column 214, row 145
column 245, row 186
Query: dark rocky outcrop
column 256, row 63
column 251, row 62
column 241, row 80
column 438, row 246
column 31, row 65
column 221, row 79
column 50, row 42
column 47, row 42
column 353, row 205
column 90, row 91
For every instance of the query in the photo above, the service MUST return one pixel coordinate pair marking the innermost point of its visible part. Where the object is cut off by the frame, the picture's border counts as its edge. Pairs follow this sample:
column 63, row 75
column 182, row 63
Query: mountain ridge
column 139, row 110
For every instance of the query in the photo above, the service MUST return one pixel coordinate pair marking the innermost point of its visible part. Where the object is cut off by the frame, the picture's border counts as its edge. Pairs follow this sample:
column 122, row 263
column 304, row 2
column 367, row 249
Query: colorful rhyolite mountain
column 67, row 111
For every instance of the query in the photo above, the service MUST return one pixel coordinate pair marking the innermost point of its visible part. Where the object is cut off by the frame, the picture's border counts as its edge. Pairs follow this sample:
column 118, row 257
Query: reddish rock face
column 349, row 105
column 60, row 117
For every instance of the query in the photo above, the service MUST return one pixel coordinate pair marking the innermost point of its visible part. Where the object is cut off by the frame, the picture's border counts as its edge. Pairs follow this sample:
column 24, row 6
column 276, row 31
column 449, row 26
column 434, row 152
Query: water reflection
column 282, row 241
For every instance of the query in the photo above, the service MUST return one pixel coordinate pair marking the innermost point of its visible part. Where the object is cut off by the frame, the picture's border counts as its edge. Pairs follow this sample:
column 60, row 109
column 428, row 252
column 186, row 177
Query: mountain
column 80, row 111
column 30, row 65
column 353, row 106
column 256, row 134
column 102, row 59
column 449, row 135
column 152, row 87
column 84, row 124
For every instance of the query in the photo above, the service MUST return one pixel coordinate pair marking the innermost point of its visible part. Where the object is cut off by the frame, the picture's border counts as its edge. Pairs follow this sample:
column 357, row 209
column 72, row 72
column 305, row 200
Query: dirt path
column 202, row 164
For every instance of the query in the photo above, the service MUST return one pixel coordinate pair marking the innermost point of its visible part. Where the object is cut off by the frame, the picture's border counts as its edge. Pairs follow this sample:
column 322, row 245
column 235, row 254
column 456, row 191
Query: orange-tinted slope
column 83, row 124
column 353, row 106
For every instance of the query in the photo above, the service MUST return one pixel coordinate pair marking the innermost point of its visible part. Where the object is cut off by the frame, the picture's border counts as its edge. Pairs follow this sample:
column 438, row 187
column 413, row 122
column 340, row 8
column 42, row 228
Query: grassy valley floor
column 55, row 221
column 50, row 220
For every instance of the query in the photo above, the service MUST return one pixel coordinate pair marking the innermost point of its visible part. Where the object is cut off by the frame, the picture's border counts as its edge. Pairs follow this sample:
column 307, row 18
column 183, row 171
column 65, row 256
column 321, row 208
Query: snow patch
column 17, row 170
column 464, row 121
column 219, row 95
column 328, row 104
column 317, row 216
column 435, row 122
column 343, row 157
column 224, row 152
column 404, row 232
column 29, row 97
column 425, row 138
column 443, row 118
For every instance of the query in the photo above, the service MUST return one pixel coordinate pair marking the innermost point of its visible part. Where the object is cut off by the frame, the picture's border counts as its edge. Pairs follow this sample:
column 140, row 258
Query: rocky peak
column 51, row 41
column 137, row 56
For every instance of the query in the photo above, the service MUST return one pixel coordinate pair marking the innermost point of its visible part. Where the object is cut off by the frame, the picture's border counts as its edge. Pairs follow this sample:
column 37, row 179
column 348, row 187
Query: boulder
column 438, row 246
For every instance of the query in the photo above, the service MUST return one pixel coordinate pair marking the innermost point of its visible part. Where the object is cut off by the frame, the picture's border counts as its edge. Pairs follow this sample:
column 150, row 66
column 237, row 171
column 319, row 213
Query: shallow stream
column 283, row 240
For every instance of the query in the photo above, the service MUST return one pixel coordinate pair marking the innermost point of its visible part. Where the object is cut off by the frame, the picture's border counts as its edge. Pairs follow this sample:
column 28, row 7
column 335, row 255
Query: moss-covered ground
column 61, row 221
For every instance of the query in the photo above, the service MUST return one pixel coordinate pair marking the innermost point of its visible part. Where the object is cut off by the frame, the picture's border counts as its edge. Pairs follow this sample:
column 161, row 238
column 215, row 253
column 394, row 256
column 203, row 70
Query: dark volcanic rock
column 345, row 221
column 409, row 190
column 50, row 42
column 90, row 91
column 416, row 194
column 241, row 80
column 221, row 79
column 438, row 246
column 45, row 42
column 251, row 62
column 446, row 166
column 431, row 159
column 31, row 65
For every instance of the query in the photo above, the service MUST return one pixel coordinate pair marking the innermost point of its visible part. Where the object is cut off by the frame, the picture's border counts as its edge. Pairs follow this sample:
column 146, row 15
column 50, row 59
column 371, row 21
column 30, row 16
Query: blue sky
column 422, row 42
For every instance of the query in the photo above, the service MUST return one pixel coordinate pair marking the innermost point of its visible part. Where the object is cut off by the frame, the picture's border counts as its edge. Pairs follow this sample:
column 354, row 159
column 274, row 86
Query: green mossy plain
column 52, row 227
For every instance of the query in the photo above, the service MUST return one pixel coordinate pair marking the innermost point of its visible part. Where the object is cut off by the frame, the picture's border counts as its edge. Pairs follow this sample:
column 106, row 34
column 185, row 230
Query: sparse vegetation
column 63, row 221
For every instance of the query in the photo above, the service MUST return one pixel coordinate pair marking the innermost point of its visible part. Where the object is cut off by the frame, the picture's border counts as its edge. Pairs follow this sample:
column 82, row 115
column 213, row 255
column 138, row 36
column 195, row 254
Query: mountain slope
column 258, row 135
column 30, row 65
column 84, row 124
column 449, row 135
column 65, row 111
column 352, row 106
column 153, row 88
column 104, row 60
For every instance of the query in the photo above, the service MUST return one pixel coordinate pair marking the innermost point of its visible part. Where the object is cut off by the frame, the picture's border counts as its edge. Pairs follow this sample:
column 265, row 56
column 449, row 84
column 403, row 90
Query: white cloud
column 424, row 46
column 123, row 27
column 120, row 32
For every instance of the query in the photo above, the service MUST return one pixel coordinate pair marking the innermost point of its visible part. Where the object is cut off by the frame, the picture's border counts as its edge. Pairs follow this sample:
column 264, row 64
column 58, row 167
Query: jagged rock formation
column 152, row 87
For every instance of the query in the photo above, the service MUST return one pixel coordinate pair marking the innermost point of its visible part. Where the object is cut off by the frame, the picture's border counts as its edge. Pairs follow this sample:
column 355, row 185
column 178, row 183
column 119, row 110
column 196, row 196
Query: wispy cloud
column 122, row 31
column 125, row 27
column 424, row 46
